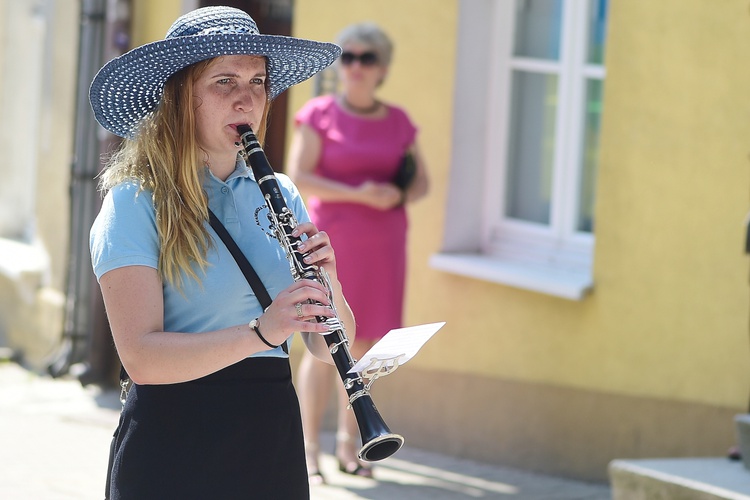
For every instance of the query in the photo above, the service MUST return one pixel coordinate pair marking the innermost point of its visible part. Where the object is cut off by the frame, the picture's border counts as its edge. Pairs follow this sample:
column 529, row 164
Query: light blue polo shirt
column 124, row 234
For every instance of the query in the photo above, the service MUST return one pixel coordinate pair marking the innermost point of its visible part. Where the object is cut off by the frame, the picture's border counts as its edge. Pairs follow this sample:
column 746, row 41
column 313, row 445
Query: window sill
column 557, row 282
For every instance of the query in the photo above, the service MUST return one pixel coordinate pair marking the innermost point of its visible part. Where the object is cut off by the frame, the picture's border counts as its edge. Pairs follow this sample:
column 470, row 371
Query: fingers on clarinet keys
column 333, row 324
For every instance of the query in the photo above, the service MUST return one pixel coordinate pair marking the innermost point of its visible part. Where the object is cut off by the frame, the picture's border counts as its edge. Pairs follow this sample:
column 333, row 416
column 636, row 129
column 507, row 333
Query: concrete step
column 679, row 479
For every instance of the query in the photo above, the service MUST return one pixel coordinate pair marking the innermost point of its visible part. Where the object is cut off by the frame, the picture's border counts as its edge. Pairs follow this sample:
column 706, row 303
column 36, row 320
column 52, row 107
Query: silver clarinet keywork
column 378, row 442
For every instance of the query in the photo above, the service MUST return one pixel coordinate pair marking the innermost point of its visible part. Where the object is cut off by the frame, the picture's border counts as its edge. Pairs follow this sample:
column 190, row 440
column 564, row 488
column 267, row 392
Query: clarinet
column 378, row 442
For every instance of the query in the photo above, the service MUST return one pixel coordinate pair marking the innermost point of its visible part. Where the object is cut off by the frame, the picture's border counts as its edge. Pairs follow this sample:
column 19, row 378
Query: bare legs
column 314, row 383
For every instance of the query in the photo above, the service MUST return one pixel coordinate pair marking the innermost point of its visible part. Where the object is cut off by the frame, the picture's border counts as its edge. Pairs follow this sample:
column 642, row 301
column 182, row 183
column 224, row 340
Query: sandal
column 355, row 468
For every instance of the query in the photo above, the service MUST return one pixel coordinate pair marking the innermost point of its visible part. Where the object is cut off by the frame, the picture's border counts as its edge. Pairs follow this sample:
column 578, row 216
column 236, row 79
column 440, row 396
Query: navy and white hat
column 130, row 86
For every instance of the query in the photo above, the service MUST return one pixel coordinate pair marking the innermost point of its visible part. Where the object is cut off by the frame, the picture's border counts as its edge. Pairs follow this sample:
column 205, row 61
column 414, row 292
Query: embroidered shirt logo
column 264, row 221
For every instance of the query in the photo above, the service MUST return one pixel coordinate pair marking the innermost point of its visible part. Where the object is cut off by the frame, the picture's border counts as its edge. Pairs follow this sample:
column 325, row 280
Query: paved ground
column 55, row 435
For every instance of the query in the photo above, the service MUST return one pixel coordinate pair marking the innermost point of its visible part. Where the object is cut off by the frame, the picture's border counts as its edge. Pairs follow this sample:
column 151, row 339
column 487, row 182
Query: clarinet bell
column 378, row 442
column 381, row 447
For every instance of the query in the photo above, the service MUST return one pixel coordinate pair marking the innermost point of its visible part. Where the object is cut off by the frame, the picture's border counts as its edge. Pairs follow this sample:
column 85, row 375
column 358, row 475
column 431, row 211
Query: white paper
column 396, row 348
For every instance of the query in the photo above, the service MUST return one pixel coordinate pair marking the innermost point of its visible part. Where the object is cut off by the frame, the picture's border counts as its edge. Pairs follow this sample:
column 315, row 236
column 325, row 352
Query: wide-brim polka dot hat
column 130, row 86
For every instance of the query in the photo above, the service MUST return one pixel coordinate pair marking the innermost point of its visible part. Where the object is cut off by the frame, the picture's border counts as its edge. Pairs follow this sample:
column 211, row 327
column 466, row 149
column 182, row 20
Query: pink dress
column 370, row 244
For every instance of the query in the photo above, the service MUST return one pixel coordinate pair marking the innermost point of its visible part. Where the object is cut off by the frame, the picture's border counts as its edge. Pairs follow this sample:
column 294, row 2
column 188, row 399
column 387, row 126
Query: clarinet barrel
column 378, row 442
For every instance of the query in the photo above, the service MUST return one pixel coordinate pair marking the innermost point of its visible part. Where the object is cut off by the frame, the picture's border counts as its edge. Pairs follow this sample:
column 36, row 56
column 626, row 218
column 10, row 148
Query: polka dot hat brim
column 130, row 86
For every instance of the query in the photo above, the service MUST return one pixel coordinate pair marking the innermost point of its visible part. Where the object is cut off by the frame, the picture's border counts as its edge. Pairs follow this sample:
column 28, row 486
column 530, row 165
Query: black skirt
column 234, row 434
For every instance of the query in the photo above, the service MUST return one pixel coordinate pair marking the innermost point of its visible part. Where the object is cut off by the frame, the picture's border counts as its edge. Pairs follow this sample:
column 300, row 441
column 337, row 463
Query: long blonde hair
column 166, row 159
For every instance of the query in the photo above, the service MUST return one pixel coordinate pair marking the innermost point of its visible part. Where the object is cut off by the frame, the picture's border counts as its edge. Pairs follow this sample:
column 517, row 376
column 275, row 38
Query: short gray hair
column 370, row 34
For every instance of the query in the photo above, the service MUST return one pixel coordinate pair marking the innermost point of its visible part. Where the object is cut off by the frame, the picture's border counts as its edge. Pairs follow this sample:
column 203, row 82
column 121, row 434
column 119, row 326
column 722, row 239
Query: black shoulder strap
column 247, row 269
column 242, row 262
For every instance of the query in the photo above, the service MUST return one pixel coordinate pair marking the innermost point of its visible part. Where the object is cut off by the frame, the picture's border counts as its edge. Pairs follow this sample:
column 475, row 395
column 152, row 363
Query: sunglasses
column 365, row 58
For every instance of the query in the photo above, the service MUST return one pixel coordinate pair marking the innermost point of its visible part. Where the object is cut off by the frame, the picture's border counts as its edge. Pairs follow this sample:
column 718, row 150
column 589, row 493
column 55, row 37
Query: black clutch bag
column 406, row 172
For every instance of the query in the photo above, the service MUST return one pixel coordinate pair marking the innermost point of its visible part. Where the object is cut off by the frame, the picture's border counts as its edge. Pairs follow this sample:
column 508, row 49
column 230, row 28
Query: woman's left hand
column 317, row 247
column 318, row 250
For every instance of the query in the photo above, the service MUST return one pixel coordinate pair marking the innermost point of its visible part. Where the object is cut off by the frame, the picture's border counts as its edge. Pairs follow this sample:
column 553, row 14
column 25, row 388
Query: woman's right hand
column 380, row 195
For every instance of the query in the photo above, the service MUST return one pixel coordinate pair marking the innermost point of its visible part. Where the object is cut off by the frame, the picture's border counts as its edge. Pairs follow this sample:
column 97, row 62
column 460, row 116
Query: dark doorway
column 274, row 17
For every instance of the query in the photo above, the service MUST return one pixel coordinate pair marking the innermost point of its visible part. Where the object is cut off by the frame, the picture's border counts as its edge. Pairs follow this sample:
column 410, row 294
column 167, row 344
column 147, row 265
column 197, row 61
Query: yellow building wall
column 671, row 275
column 150, row 20
column 672, row 287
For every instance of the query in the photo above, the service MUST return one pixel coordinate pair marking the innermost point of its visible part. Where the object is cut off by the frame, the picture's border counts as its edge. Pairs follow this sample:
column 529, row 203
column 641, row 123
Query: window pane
column 531, row 146
column 597, row 22
column 590, row 155
column 538, row 25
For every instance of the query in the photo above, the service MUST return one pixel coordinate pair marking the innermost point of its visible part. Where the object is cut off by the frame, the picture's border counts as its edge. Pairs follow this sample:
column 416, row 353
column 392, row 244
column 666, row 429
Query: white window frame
column 479, row 242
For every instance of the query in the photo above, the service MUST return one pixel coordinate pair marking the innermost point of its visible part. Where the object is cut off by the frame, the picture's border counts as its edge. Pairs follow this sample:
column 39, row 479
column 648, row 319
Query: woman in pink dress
column 346, row 151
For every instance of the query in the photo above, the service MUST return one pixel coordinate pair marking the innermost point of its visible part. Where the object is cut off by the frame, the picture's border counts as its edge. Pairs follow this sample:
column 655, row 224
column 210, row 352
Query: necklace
column 360, row 110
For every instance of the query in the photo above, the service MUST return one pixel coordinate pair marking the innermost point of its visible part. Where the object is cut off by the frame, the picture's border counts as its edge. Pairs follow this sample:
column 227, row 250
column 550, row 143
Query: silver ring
column 298, row 306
